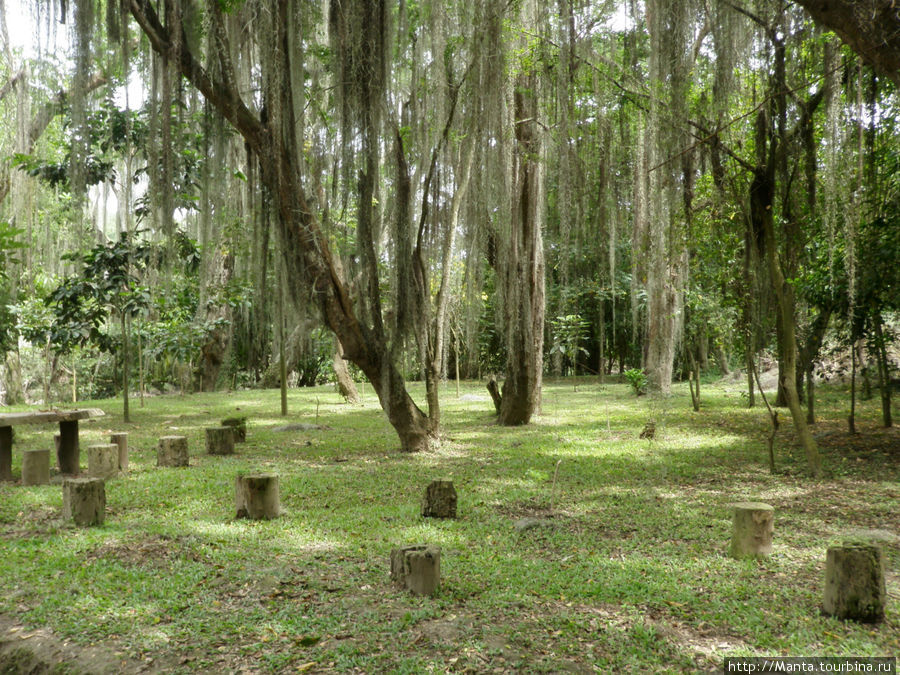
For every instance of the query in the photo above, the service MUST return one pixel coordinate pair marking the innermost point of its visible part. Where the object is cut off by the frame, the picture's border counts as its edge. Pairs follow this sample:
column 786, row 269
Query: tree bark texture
column 304, row 245
column 884, row 378
column 870, row 27
column 523, row 268
column 219, row 316
column 345, row 384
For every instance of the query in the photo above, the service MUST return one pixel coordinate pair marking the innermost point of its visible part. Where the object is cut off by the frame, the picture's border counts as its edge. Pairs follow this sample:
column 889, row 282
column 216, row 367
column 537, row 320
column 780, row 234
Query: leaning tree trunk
column 523, row 268
column 762, row 191
column 305, row 247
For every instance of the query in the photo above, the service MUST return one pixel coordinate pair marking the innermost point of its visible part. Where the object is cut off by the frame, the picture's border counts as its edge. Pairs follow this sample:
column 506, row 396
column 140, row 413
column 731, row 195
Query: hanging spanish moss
column 671, row 32
column 84, row 33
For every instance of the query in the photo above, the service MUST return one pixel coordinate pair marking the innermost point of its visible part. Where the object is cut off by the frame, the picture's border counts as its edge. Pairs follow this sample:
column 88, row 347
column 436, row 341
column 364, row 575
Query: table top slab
column 48, row 416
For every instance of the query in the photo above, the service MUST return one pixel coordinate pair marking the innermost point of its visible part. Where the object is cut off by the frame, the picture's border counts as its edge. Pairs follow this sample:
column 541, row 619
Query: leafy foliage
column 108, row 282
column 638, row 380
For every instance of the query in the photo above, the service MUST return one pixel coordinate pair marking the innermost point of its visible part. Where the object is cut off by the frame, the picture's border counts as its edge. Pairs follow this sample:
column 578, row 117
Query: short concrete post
column 6, row 443
column 239, row 425
column 121, row 440
column 256, row 496
column 172, row 451
column 220, row 441
column 417, row 568
column 35, row 467
column 84, row 500
column 440, row 500
column 103, row 460
column 67, row 451
column 754, row 524
column 854, row 582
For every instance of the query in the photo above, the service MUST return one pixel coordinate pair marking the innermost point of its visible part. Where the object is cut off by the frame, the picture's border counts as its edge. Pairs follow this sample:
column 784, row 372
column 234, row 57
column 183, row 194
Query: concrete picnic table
column 66, row 453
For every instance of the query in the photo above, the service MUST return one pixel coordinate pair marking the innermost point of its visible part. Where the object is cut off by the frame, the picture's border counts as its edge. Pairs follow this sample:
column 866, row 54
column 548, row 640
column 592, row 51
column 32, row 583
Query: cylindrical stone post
column 220, row 441
column 67, row 451
column 239, row 424
column 854, row 582
column 84, row 500
column 417, row 568
column 121, row 440
column 35, row 467
column 172, row 451
column 103, row 460
column 754, row 524
column 6, row 443
column 440, row 500
column 256, row 496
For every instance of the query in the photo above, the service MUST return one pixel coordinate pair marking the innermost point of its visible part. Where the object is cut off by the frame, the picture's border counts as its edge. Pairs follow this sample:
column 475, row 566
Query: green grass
column 632, row 575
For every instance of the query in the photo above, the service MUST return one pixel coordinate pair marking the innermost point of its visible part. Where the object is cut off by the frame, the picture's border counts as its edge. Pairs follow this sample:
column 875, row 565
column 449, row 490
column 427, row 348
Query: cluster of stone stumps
column 84, row 497
column 854, row 570
column 417, row 567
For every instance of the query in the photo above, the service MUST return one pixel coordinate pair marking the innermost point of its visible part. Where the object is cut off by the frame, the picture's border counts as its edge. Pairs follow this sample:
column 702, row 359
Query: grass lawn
column 628, row 572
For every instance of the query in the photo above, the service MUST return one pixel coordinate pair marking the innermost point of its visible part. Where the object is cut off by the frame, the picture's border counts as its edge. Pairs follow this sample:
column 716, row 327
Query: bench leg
column 5, row 453
column 67, row 452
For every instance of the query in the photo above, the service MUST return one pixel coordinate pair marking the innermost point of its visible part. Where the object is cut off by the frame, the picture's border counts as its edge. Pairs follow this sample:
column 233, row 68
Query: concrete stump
column 440, row 500
column 239, row 425
column 67, row 449
column 220, row 441
column 6, row 443
column 417, row 568
column 854, row 582
column 121, row 440
column 754, row 524
column 256, row 496
column 35, row 467
column 103, row 460
column 84, row 500
column 172, row 451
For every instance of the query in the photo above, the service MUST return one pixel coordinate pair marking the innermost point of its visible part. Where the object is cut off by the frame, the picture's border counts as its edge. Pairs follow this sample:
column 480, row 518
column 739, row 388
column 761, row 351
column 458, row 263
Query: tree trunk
column 762, row 191
column 523, row 268
column 884, row 379
column 218, row 315
column 870, row 28
column 305, row 247
column 722, row 358
column 126, row 357
column 851, row 418
column 345, row 384
column 809, row 352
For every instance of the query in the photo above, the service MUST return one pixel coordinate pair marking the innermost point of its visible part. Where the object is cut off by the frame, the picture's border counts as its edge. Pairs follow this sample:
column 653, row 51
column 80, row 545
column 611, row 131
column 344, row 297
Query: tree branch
column 221, row 94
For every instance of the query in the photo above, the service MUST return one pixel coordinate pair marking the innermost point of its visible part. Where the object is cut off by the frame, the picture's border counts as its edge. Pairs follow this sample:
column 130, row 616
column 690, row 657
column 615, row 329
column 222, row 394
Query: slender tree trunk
column 435, row 340
column 282, row 359
column 761, row 194
column 884, row 379
column 140, row 348
column 125, row 360
column 810, row 396
column 851, row 418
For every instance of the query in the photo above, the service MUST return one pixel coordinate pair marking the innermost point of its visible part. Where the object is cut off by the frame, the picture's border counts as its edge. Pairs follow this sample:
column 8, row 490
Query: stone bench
column 67, row 452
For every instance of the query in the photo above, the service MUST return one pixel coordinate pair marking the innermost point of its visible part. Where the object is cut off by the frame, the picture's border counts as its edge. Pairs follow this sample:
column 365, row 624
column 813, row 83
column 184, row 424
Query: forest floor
column 617, row 565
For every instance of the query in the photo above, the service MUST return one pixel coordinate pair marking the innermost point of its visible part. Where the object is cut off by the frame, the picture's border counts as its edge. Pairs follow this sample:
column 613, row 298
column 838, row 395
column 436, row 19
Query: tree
column 107, row 283
column 870, row 27
column 272, row 136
